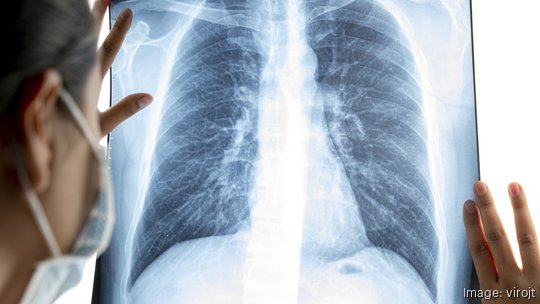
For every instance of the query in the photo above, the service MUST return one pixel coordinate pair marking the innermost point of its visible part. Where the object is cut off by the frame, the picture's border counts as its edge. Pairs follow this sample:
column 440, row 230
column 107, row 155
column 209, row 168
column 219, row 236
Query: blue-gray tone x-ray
column 297, row 151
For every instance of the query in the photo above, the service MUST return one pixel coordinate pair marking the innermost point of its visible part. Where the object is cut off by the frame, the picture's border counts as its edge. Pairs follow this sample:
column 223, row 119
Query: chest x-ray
column 297, row 151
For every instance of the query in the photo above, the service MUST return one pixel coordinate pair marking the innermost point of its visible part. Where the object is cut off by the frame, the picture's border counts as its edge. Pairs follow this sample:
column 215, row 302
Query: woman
column 54, row 211
column 49, row 160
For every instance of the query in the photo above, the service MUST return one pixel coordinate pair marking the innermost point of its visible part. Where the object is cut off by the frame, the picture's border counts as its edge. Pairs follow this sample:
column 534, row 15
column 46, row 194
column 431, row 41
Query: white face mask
column 61, row 272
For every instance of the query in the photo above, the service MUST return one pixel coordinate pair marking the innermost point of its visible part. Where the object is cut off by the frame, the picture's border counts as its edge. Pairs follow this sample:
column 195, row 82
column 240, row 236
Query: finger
column 483, row 261
column 111, row 45
column 98, row 11
column 526, row 234
column 494, row 230
column 121, row 111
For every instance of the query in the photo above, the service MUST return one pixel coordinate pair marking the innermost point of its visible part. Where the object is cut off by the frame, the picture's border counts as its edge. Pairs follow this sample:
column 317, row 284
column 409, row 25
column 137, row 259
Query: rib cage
column 203, row 160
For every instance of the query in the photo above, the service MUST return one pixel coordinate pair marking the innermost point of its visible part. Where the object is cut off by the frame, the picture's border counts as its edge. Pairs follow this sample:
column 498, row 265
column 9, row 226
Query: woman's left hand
column 130, row 104
column 491, row 251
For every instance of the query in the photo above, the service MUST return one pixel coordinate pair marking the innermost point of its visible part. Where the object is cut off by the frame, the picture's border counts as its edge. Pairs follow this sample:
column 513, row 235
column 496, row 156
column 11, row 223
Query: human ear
column 35, row 124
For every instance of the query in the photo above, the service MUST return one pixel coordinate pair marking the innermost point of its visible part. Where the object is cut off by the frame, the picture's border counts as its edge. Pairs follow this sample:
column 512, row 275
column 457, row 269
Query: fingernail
column 470, row 207
column 514, row 189
column 144, row 101
column 124, row 13
column 480, row 188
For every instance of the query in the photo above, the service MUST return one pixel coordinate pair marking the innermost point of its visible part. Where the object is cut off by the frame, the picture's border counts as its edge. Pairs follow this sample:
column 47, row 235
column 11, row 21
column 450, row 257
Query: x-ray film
column 296, row 152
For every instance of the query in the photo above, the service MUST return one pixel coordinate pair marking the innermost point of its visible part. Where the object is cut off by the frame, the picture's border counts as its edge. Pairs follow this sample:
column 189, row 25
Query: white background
column 507, row 63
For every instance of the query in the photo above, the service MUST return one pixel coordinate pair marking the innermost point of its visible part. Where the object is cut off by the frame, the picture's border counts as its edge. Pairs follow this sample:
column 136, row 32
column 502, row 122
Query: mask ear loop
column 35, row 206
column 33, row 201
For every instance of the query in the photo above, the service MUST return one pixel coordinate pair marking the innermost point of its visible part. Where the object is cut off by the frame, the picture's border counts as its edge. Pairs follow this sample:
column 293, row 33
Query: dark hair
column 41, row 34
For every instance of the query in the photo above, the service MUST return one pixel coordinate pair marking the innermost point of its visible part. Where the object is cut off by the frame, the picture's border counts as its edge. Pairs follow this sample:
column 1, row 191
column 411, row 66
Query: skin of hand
column 490, row 248
column 130, row 104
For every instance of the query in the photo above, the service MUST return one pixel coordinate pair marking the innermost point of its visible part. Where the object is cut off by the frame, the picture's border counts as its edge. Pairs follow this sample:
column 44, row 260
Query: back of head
column 42, row 34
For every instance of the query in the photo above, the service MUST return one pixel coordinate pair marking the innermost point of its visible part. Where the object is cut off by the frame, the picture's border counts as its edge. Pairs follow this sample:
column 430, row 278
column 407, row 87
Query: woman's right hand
column 130, row 104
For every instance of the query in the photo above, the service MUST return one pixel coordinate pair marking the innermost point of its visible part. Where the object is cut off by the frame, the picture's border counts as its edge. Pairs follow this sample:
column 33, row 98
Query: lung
column 202, row 166
column 366, row 77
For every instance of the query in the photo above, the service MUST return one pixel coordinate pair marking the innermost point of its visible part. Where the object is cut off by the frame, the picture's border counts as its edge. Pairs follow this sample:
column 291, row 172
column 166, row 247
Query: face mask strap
column 33, row 203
